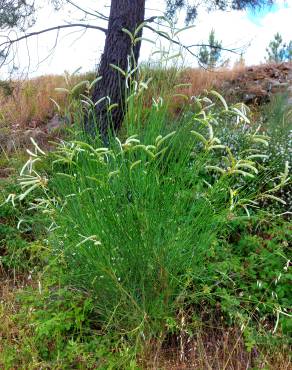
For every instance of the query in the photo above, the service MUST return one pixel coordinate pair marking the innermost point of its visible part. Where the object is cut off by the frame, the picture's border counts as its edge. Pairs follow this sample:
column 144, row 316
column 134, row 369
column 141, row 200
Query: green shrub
column 6, row 88
column 251, row 275
column 274, row 122
column 136, row 224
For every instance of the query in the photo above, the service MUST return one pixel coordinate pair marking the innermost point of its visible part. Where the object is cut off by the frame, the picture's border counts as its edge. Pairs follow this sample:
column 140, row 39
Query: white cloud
column 237, row 30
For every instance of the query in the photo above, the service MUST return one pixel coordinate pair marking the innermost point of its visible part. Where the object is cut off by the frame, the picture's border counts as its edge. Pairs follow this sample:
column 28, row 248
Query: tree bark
column 128, row 14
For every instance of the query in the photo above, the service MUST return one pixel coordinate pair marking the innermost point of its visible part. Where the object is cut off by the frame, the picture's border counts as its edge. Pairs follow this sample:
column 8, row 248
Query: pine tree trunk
column 128, row 14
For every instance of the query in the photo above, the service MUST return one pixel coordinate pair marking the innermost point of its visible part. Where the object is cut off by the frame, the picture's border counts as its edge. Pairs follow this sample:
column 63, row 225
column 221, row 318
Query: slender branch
column 56, row 28
column 5, row 46
column 235, row 51
column 151, row 19
column 95, row 14
column 50, row 51
column 188, row 47
column 169, row 39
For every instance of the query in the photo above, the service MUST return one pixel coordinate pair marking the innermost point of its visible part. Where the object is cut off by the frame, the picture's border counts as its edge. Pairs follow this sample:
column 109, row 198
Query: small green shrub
column 21, row 228
column 136, row 224
column 251, row 273
column 6, row 88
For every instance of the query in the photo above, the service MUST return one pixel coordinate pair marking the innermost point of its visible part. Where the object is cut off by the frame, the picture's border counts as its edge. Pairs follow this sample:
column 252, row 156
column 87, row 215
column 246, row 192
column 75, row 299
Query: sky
column 248, row 30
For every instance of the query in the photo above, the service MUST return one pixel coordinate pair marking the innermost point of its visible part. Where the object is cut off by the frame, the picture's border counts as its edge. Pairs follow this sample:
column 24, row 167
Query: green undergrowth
column 21, row 227
column 176, row 227
column 277, row 120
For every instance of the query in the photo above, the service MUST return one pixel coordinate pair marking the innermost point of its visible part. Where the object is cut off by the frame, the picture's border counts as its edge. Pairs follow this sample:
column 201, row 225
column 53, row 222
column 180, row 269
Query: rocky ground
column 256, row 85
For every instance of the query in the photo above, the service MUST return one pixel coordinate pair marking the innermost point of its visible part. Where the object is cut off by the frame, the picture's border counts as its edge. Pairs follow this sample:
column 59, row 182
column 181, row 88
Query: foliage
column 289, row 51
column 252, row 272
column 277, row 119
column 191, row 7
column 6, row 88
column 20, row 231
column 15, row 13
column 278, row 51
column 275, row 122
column 54, row 329
column 210, row 55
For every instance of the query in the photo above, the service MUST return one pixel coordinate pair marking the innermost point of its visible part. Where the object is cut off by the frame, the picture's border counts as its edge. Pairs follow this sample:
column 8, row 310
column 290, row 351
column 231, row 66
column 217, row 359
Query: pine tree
column 289, row 52
column 276, row 49
column 209, row 55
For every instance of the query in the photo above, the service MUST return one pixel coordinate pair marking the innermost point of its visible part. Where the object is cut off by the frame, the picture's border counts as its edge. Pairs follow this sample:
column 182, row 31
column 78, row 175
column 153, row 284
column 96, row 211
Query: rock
column 11, row 145
column 37, row 134
column 289, row 76
column 256, row 84
column 249, row 98
column 55, row 123
column 21, row 138
column 279, row 87
column 5, row 172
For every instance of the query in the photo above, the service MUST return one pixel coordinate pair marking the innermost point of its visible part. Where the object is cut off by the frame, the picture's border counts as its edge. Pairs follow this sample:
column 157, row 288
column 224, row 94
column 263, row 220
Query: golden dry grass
column 30, row 103
column 201, row 79
column 29, row 100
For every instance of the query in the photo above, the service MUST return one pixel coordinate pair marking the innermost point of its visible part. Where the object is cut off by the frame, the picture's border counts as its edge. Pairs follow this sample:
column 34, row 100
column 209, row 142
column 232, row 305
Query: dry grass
column 29, row 100
column 30, row 104
column 26, row 106
column 201, row 79
column 222, row 349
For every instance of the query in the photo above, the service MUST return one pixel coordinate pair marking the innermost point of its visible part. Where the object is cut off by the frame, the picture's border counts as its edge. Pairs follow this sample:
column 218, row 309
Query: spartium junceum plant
column 133, row 223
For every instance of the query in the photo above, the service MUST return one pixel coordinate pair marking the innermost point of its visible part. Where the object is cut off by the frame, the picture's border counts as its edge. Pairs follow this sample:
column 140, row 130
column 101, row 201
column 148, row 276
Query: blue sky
column 255, row 16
